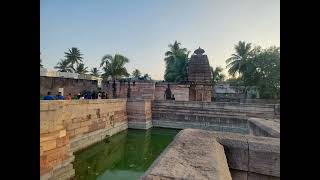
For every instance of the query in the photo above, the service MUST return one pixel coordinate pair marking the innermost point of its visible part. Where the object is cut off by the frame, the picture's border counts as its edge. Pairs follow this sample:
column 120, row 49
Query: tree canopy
column 113, row 66
column 257, row 67
column 176, row 63
column 217, row 75
column 63, row 66
column 95, row 72
column 136, row 73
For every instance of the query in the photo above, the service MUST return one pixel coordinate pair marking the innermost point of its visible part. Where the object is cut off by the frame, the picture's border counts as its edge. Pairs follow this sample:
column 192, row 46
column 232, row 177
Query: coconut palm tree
column 113, row 66
column 237, row 62
column 95, row 72
column 81, row 69
column 176, row 63
column 136, row 73
column 73, row 56
column 217, row 75
column 63, row 66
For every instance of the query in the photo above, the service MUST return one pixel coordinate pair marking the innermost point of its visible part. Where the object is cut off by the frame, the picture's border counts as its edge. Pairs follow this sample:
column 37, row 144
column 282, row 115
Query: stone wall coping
column 247, row 153
column 184, row 159
column 270, row 126
column 84, row 101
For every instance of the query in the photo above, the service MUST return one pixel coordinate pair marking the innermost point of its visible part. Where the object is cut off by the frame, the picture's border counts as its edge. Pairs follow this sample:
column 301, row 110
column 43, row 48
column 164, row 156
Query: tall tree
column 81, row 69
column 146, row 77
column 95, row 72
column 176, row 63
column 136, row 73
column 113, row 66
column 63, row 66
column 217, row 75
column 73, row 56
column 266, row 73
column 237, row 62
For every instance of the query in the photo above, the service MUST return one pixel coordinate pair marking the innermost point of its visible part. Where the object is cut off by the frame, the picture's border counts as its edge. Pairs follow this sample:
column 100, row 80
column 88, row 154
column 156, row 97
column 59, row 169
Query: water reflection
column 126, row 156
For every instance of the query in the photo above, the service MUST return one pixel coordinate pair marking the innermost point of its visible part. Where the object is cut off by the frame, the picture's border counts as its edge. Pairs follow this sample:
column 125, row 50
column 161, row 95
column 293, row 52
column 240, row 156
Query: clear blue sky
column 142, row 29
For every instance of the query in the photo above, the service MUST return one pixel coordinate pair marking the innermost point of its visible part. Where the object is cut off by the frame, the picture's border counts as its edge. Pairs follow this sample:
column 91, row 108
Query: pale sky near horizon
column 142, row 29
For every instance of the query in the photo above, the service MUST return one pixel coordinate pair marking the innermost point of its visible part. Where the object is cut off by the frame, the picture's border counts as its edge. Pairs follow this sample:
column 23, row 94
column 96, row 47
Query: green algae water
column 126, row 156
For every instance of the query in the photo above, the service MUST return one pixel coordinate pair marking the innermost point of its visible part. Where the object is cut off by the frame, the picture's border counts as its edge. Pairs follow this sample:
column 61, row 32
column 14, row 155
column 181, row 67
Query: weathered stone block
column 48, row 145
column 85, row 123
column 264, row 156
column 183, row 159
column 73, row 126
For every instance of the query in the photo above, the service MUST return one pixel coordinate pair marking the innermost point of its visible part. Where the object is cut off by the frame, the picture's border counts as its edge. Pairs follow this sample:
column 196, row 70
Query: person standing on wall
column 48, row 96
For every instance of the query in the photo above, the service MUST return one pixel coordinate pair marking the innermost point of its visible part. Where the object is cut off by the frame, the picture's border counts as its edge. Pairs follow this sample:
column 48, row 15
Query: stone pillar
column 139, row 114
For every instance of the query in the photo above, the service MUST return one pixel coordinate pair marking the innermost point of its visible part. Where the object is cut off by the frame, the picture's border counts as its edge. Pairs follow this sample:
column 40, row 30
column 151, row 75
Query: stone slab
column 183, row 159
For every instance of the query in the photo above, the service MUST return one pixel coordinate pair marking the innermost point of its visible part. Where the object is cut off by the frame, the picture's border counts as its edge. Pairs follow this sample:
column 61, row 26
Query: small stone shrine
column 199, row 75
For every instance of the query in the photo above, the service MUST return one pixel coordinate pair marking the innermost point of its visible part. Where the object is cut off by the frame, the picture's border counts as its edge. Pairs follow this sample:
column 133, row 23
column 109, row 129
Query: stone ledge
column 139, row 125
column 86, row 140
column 263, row 127
column 253, row 154
column 249, row 157
column 199, row 125
column 183, row 159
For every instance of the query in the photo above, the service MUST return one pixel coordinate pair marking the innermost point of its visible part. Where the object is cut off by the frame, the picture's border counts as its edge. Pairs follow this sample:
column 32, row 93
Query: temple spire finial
column 199, row 51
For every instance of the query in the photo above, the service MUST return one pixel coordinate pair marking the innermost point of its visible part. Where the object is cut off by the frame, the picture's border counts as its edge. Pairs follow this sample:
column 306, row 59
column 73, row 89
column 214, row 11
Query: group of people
column 51, row 97
column 92, row 95
column 84, row 95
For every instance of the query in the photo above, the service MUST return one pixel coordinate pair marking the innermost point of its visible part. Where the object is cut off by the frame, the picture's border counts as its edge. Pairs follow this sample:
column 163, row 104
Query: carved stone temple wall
column 199, row 75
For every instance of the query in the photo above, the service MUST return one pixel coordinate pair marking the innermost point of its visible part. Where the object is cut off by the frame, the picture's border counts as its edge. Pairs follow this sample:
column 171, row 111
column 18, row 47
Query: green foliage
column 217, row 75
column 146, row 77
column 236, row 63
column 176, row 63
column 113, row 66
column 258, row 68
column 136, row 73
column 95, row 72
column 73, row 56
column 63, row 66
column 81, row 69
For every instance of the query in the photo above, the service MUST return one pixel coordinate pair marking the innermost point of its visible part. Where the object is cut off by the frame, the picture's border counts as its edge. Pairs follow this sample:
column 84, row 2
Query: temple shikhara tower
column 199, row 75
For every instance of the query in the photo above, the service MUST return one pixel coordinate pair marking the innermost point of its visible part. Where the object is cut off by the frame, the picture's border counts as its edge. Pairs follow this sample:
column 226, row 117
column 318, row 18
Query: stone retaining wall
column 69, row 85
column 197, row 154
column 225, row 117
column 139, row 114
column 180, row 91
column 68, row 126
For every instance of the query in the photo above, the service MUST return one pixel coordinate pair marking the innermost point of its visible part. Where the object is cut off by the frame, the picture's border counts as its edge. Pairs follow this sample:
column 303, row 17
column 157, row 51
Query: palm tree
column 176, row 63
column 81, row 69
column 63, row 66
column 146, row 77
column 217, row 75
column 95, row 72
column 73, row 56
column 136, row 73
column 237, row 62
column 113, row 66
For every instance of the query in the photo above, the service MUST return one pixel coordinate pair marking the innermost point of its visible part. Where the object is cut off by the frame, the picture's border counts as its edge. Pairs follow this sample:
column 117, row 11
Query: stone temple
column 199, row 75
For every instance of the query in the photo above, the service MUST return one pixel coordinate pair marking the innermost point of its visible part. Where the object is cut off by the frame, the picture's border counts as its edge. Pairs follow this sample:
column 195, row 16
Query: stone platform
column 199, row 154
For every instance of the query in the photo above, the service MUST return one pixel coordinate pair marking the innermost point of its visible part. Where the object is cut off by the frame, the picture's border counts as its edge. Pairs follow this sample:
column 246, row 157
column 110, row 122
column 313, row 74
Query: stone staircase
column 228, row 117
